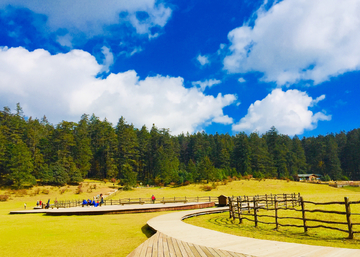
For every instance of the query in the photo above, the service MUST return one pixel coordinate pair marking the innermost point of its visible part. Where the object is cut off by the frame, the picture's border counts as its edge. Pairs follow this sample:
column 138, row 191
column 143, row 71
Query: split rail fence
column 253, row 209
column 164, row 200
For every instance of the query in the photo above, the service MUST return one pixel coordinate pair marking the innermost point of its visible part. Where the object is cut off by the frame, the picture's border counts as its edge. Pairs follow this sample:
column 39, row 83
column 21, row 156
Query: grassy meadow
column 310, row 192
column 118, row 235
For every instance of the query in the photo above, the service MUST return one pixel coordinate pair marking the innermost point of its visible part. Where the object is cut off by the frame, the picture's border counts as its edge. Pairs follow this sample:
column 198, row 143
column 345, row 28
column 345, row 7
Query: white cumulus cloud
column 288, row 111
column 109, row 58
column 298, row 40
column 241, row 80
column 202, row 59
column 206, row 83
column 65, row 86
column 90, row 16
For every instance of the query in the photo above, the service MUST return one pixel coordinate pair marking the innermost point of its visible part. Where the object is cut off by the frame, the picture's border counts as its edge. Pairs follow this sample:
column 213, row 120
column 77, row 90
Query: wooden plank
column 206, row 250
column 214, row 252
column 187, row 248
column 165, row 246
column 155, row 244
column 176, row 247
column 233, row 254
column 200, row 251
column 150, row 245
column 171, row 247
column 160, row 246
column 225, row 253
column 144, row 248
column 194, row 250
column 182, row 248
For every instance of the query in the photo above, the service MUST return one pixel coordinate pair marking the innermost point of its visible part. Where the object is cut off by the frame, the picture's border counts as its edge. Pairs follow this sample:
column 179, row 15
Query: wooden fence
column 163, row 200
column 244, row 206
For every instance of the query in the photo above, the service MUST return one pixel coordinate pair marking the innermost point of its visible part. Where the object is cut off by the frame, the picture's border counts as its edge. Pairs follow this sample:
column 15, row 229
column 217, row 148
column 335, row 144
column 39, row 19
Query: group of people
column 98, row 201
column 43, row 205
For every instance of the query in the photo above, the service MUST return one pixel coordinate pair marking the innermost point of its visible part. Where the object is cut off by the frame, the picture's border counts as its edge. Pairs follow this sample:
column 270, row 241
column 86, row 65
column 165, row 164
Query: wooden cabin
column 308, row 177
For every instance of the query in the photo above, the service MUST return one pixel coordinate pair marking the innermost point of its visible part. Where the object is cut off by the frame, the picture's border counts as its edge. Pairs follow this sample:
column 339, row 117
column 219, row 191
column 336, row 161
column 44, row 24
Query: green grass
column 310, row 192
column 118, row 235
column 95, row 235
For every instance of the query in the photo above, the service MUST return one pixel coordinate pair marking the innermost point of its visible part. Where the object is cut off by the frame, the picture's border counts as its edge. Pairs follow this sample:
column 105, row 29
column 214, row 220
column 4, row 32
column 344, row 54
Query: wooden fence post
column 298, row 199
column 248, row 204
column 239, row 204
column 348, row 217
column 285, row 201
column 233, row 207
column 255, row 210
column 230, row 207
column 276, row 213
column 267, row 207
column 303, row 213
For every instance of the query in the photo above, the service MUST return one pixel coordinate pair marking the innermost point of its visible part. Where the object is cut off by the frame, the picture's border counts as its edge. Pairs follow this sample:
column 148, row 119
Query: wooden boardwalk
column 161, row 245
column 172, row 226
column 119, row 209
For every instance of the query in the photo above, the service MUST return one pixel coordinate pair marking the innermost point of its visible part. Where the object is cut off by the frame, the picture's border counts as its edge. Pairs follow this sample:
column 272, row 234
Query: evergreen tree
column 82, row 150
column 19, row 164
column 143, row 136
column 241, row 154
column 128, row 147
column 331, row 159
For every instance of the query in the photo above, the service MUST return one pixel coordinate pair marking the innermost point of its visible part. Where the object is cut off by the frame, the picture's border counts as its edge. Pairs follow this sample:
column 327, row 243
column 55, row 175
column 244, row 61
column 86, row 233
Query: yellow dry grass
column 310, row 192
column 118, row 235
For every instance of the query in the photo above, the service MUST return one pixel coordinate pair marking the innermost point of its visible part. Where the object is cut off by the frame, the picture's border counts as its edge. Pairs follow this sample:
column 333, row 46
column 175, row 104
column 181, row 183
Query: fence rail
column 147, row 200
column 242, row 206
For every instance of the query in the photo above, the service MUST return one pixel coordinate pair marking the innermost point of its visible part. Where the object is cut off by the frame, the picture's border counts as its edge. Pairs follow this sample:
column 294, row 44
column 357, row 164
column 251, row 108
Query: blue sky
column 218, row 66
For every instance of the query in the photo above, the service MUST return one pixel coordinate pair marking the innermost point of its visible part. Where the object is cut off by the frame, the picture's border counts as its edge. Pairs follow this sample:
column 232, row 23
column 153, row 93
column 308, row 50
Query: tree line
column 33, row 151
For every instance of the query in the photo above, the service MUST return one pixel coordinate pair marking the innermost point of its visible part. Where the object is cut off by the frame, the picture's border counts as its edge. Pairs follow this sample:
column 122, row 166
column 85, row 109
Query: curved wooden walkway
column 173, row 236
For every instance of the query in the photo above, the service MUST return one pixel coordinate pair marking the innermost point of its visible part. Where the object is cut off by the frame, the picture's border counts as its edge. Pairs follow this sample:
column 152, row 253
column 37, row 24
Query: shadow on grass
column 148, row 232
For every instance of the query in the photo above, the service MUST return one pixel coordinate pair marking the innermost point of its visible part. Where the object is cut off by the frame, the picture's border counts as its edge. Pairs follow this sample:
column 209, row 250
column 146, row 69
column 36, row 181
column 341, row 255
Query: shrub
column 45, row 191
column 21, row 192
column 214, row 185
column 79, row 190
column 248, row 177
column 225, row 182
column 89, row 190
column 62, row 190
column 127, row 188
column 113, row 180
column 4, row 198
column 186, row 183
column 206, row 188
column 326, row 178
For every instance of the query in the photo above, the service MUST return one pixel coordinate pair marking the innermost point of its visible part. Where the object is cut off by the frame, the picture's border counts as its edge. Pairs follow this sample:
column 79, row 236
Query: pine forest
column 33, row 151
